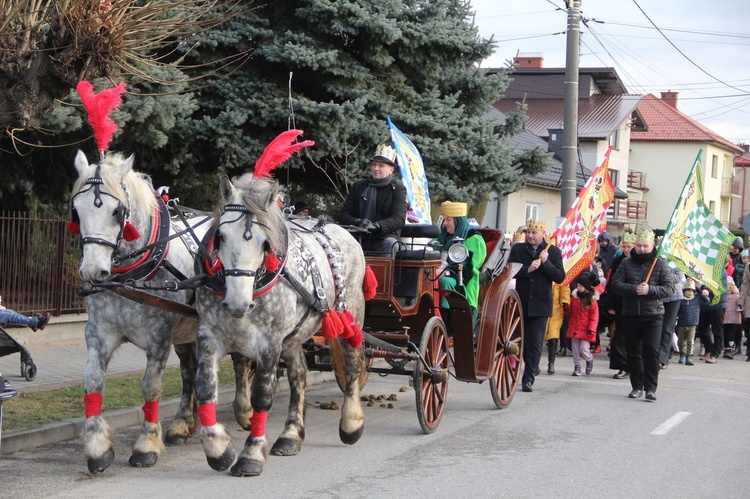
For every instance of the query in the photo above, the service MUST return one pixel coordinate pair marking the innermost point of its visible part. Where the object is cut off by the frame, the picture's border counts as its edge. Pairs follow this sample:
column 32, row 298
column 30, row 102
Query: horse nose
column 240, row 311
column 100, row 276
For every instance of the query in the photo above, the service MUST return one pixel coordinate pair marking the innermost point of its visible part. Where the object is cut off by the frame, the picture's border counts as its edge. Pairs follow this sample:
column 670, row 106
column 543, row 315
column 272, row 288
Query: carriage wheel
column 509, row 351
column 28, row 370
column 337, row 365
column 431, row 380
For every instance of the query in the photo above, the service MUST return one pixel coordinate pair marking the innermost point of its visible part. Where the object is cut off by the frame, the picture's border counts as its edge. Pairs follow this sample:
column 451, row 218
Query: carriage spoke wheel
column 431, row 380
column 337, row 365
column 509, row 351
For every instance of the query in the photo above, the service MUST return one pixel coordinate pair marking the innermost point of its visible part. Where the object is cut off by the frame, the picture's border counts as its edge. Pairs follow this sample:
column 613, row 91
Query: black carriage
column 405, row 325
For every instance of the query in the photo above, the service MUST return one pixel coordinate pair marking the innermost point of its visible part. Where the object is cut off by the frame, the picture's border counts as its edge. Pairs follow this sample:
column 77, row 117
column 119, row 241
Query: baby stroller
column 10, row 346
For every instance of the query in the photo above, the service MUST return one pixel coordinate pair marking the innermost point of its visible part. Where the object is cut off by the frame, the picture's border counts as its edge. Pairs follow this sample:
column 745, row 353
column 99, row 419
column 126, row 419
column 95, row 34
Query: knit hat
column 586, row 279
column 737, row 243
column 451, row 209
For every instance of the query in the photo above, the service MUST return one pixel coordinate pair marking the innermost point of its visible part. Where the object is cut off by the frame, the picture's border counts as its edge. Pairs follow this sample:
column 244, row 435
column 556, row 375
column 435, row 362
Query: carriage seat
column 415, row 239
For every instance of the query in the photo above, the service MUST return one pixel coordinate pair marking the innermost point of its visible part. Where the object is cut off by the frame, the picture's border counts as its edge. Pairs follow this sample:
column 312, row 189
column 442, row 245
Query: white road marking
column 670, row 423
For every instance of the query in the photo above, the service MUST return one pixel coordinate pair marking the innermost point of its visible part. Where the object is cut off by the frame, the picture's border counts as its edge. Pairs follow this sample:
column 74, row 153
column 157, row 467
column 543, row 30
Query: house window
column 714, row 166
column 614, row 175
column 712, row 206
column 614, row 140
column 532, row 211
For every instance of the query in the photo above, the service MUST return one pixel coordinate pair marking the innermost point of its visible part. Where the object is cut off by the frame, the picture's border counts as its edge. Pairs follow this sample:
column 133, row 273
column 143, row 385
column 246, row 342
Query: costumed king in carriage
column 462, row 251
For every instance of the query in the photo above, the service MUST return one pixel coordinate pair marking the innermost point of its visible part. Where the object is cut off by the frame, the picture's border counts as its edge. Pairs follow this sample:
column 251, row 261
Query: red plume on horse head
column 98, row 106
column 279, row 150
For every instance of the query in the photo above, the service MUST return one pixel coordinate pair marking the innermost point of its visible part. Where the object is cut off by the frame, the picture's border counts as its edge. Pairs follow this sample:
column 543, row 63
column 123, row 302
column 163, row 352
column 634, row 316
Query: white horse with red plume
column 128, row 237
column 282, row 282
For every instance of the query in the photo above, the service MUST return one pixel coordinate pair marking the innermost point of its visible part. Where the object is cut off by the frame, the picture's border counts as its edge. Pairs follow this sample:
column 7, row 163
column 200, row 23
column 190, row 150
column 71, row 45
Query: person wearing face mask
column 377, row 204
column 643, row 280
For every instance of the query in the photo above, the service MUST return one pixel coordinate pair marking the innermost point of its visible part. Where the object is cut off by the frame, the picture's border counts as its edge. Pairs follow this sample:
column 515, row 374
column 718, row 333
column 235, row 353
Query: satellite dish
column 746, row 223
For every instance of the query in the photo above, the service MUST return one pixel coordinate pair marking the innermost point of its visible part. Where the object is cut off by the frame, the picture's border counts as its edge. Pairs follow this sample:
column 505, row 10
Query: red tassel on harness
column 272, row 262
column 93, row 403
column 73, row 227
column 151, row 411
column 129, row 232
column 207, row 414
column 332, row 325
column 370, row 284
column 352, row 331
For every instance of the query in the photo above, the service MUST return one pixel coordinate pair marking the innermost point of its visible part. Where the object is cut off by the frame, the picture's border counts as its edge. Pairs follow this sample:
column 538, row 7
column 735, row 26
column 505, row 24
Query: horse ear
column 125, row 166
column 228, row 191
column 81, row 163
column 273, row 194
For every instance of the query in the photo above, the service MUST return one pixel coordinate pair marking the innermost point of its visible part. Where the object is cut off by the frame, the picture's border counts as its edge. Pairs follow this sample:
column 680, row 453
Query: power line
column 682, row 53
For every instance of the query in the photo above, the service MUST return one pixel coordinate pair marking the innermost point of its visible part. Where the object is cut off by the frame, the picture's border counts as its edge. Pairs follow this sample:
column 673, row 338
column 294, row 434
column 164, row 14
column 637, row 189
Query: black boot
column 551, row 350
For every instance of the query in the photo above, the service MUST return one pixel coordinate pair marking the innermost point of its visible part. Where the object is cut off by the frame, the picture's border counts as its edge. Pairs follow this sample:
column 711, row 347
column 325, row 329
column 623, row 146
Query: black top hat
column 299, row 206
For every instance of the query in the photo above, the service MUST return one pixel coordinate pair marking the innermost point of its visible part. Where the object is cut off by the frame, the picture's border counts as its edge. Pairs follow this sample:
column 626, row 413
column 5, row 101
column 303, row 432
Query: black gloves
column 372, row 227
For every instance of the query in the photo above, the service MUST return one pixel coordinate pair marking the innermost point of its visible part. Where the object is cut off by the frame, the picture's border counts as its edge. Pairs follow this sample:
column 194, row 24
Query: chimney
column 555, row 142
column 670, row 98
column 528, row 60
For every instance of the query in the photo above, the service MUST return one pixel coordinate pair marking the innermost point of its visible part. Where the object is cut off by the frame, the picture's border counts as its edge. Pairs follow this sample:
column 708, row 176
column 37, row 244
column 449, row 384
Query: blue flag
column 411, row 168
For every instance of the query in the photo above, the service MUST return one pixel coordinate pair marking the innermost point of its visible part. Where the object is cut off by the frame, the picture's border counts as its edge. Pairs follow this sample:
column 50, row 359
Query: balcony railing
column 636, row 180
column 624, row 209
column 730, row 187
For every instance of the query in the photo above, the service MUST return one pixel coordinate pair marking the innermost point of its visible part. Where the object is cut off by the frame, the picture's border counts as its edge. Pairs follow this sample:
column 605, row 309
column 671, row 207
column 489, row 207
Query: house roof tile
column 665, row 123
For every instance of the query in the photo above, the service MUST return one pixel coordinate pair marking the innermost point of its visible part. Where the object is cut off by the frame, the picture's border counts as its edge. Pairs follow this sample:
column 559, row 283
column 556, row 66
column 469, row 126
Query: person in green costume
column 456, row 225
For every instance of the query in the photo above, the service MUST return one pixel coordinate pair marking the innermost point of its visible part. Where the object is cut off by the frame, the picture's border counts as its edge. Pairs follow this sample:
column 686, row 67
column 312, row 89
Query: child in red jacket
column 584, row 317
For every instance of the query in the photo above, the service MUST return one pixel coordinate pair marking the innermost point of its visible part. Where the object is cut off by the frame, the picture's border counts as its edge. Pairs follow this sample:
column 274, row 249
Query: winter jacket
column 690, row 311
column 732, row 315
column 391, row 207
column 745, row 291
column 631, row 273
column 677, row 280
column 583, row 322
column 535, row 288
column 722, row 304
column 608, row 253
column 560, row 298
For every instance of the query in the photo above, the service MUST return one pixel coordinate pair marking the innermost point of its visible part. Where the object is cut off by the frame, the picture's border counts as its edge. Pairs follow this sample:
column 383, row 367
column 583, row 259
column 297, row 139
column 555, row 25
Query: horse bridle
column 122, row 211
column 247, row 235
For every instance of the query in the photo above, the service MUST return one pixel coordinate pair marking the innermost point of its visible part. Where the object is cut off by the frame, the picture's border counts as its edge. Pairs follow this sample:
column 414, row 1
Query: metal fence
column 39, row 263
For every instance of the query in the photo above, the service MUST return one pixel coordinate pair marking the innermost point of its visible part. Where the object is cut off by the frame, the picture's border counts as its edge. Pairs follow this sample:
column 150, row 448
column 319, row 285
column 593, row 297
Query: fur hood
column 574, row 294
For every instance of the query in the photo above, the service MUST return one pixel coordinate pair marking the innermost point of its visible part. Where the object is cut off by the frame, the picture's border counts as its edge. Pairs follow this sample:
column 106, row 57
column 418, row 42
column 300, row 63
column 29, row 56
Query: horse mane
column 140, row 197
column 255, row 194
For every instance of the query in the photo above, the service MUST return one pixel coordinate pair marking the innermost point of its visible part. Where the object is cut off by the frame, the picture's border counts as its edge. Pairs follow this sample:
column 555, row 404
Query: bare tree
column 48, row 46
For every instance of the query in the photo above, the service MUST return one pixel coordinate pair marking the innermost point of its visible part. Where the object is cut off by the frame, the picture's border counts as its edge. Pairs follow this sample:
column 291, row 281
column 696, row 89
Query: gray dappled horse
column 268, row 313
column 109, row 201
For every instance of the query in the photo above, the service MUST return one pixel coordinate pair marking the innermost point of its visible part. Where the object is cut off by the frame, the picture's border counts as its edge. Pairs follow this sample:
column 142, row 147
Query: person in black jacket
column 378, row 204
column 541, row 266
column 618, row 354
column 643, row 280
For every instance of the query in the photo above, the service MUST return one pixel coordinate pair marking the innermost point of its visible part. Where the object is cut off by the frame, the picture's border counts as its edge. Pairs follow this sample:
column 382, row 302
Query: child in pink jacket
column 584, row 318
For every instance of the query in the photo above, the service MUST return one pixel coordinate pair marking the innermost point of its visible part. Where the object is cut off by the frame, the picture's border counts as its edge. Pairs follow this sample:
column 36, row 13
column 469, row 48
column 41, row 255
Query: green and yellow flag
column 695, row 241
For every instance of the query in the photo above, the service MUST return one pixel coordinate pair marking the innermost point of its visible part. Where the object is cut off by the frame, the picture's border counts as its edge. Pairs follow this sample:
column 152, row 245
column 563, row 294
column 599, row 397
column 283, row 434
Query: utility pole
column 570, row 120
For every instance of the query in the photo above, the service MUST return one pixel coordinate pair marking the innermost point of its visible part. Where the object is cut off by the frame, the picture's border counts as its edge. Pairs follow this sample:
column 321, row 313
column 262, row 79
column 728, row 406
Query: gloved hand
column 374, row 228
column 366, row 224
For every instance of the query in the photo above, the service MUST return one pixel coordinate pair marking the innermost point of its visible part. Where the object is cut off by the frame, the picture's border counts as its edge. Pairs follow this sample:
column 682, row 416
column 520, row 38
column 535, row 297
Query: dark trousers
column 671, row 308
column 714, row 319
column 642, row 340
column 730, row 333
column 618, row 353
column 533, row 342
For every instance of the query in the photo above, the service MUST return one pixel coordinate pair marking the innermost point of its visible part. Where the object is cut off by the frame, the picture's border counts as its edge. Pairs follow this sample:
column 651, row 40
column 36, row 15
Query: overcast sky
column 712, row 77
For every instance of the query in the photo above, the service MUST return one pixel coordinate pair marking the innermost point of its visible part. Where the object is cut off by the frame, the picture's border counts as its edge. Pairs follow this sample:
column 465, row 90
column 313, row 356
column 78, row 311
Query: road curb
column 123, row 418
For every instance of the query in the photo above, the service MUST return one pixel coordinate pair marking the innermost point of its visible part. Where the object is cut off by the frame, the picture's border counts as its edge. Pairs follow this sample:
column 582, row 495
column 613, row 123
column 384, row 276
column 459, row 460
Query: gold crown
column 451, row 209
column 628, row 237
column 645, row 235
column 519, row 237
column 537, row 225
column 385, row 154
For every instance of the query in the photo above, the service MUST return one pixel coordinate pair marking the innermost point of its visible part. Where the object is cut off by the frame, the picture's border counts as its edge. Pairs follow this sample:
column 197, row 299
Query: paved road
column 572, row 437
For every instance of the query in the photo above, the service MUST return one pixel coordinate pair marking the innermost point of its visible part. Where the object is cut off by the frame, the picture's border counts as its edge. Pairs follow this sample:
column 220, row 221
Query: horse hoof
column 143, row 459
column 223, row 462
column 286, row 447
column 353, row 437
column 247, row 467
column 175, row 439
column 101, row 463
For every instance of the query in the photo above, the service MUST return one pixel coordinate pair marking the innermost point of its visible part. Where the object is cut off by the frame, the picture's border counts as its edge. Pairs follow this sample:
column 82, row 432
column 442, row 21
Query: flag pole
column 653, row 264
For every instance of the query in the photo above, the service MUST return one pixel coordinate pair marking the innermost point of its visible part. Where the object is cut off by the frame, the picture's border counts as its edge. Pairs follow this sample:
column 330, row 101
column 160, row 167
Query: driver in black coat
column 378, row 204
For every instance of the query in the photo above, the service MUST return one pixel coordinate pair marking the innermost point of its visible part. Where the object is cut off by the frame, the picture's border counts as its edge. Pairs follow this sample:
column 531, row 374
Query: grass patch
column 32, row 410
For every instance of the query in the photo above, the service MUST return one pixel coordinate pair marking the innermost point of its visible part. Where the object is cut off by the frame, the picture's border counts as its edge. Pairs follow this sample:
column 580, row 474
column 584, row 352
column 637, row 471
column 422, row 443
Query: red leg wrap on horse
column 93, row 402
column 207, row 414
column 258, row 424
column 151, row 411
